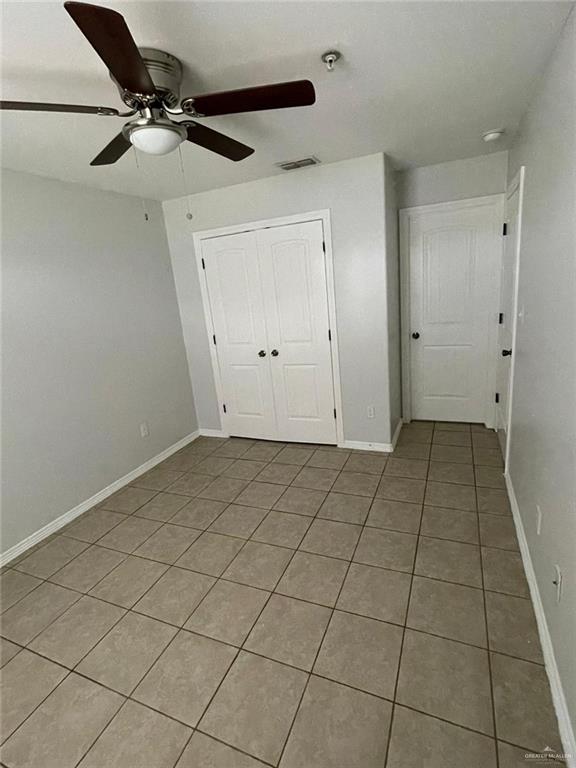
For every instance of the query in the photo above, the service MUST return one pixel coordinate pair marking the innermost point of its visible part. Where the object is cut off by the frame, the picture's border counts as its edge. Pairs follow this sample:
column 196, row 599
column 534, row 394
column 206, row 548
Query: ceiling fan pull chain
column 142, row 199
column 185, row 185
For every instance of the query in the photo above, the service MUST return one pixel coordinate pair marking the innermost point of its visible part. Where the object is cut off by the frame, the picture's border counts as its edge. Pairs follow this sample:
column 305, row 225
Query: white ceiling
column 419, row 80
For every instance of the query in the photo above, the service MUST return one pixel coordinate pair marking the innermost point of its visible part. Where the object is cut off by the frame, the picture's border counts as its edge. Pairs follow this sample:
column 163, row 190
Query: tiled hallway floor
column 251, row 603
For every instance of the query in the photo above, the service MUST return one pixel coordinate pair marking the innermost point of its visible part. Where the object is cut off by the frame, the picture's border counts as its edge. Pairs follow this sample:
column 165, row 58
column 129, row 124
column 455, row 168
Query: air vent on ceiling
column 292, row 165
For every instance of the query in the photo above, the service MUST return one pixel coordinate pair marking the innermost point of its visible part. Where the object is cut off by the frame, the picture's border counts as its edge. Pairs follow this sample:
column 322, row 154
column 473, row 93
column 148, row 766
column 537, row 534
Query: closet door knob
column 274, row 353
column 262, row 353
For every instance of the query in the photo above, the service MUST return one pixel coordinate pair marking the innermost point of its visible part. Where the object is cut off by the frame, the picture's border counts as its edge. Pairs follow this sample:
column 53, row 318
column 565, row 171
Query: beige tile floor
column 250, row 603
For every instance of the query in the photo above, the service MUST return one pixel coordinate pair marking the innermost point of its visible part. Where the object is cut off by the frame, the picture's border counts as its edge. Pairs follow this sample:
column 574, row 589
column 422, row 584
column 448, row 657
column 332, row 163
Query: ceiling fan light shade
column 156, row 139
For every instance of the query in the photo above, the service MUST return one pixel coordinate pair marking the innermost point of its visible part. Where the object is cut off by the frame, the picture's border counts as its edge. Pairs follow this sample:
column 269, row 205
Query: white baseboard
column 359, row 446
column 213, row 433
column 397, row 431
column 84, row 506
column 564, row 722
column 352, row 444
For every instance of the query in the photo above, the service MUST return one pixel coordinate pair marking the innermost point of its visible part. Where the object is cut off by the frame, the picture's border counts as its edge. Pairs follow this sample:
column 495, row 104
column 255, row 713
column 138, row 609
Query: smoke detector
column 330, row 58
column 493, row 135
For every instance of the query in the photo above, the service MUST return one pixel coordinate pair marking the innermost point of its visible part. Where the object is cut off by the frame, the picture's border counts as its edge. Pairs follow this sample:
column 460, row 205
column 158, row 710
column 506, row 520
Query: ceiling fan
column 149, row 84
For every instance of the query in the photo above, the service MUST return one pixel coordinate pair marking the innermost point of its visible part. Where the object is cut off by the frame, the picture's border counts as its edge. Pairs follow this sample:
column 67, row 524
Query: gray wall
column 455, row 180
column 353, row 190
column 92, row 346
column 543, row 445
column 393, row 294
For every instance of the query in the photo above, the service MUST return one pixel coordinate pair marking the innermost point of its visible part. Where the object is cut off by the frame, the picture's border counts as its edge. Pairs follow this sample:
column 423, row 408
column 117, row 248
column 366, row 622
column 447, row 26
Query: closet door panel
column 235, row 291
column 292, row 268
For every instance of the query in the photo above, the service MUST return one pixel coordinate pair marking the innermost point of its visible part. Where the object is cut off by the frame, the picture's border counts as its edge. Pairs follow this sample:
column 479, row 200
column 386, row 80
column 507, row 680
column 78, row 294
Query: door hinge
column 504, row 229
column 203, row 264
column 324, row 246
column 334, row 412
column 329, row 335
column 214, row 338
column 497, row 397
column 224, row 407
column 500, row 318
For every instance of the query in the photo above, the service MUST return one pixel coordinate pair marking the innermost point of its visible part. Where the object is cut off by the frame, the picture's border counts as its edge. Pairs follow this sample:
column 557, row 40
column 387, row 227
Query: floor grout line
column 175, row 564
column 333, row 608
column 329, row 622
column 182, row 627
column 389, row 740
column 129, row 697
column 488, row 653
column 241, row 648
column 223, row 578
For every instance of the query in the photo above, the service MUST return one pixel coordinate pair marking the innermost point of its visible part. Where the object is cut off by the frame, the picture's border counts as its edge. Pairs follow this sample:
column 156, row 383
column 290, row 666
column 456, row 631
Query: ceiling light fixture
column 493, row 135
column 155, row 136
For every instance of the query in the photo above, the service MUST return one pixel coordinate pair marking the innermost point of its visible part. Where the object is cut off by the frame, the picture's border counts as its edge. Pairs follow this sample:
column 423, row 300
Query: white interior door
column 508, row 309
column 269, row 311
column 235, row 290
column 454, row 265
column 292, row 266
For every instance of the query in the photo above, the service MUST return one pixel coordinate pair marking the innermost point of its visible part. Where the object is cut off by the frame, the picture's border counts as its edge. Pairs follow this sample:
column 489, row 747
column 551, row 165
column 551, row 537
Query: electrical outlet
column 557, row 581
column 538, row 519
column 371, row 411
column 144, row 429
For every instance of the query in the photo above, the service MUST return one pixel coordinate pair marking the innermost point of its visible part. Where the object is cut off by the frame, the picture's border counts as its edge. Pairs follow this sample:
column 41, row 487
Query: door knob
column 415, row 335
column 506, row 352
column 274, row 353
column 262, row 353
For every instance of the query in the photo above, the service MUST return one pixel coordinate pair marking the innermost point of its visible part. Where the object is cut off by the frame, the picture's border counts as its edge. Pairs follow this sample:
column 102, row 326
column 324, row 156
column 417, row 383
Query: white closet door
column 292, row 267
column 454, row 269
column 235, row 290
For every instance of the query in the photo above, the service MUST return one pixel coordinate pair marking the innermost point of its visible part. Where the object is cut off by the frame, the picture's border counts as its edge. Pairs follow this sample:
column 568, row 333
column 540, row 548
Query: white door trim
column 516, row 183
column 300, row 218
column 405, row 215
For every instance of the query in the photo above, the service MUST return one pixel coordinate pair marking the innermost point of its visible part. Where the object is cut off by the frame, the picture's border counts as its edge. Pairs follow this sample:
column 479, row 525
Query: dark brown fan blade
column 38, row 106
column 299, row 93
column 112, row 151
column 107, row 33
column 216, row 142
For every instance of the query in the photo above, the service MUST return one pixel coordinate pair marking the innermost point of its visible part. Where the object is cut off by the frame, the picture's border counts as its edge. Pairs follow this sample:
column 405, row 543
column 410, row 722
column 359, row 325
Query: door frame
column 250, row 226
column 517, row 183
column 405, row 215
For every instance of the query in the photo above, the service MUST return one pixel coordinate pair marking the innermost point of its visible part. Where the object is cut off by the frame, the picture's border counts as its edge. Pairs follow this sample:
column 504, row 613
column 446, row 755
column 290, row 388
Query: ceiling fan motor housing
column 166, row 73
